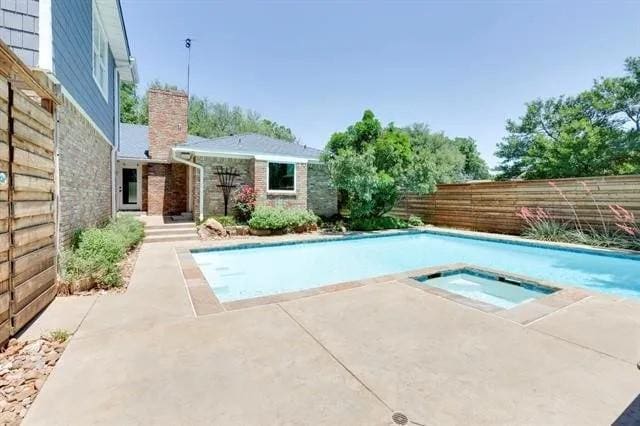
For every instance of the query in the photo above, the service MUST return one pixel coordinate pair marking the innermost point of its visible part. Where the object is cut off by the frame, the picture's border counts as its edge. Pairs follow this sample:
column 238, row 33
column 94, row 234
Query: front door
column 129, row 187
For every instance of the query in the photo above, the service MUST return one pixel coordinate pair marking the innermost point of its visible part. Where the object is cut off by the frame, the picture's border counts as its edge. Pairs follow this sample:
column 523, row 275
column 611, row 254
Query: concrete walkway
column 349, row 357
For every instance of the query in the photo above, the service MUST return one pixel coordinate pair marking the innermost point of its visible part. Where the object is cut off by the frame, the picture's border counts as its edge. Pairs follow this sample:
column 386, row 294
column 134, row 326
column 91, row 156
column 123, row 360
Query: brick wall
column 298, row 199
column 84, row 173
column 167, row 121
column 167, row 189
column 213, row 197
column 322, row 195
column 145, row 187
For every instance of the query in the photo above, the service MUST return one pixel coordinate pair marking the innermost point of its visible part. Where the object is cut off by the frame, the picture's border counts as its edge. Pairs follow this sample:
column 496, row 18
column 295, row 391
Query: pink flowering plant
column 540, row 224
column 244, row 203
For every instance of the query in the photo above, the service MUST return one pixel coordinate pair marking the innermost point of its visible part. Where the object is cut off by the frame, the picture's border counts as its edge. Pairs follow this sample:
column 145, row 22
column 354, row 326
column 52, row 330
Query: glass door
column 129, row 187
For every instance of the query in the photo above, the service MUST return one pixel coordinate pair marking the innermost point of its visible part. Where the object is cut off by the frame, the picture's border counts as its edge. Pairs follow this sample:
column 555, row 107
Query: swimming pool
column 240, row 273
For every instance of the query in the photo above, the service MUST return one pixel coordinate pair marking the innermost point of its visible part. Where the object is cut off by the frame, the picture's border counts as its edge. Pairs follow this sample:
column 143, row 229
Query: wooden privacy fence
column 492, row 206
column 27, row 210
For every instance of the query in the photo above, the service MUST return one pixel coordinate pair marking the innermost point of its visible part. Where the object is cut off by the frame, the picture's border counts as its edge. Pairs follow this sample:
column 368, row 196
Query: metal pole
column 187, row 44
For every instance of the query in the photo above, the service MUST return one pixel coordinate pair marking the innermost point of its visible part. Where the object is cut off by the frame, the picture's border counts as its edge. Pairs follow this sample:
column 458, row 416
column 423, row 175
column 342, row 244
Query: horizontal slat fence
column 492, row 206
column 27, row 195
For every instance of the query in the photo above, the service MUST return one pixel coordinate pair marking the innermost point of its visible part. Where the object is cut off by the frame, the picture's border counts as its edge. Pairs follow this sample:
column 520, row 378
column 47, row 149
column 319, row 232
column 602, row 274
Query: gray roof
column 134, row 143
column 251, row 144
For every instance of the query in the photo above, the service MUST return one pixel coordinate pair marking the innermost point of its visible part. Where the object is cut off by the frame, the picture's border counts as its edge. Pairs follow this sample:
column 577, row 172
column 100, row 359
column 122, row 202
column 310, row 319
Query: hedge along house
column 164, row 171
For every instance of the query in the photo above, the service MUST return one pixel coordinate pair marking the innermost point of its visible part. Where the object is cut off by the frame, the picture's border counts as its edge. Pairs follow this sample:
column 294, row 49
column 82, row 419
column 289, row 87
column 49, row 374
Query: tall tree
column 129, row 104
column 594, row 133
column 458, row 159
column 372, row 165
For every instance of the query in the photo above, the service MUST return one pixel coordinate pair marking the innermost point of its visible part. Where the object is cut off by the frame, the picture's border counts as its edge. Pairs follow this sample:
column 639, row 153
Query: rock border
column 24, row 367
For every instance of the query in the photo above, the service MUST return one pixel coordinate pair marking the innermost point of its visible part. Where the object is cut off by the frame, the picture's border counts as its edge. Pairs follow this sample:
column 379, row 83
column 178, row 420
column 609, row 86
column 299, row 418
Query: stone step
column 190, row 225
column 170, row 231
column 170, row 238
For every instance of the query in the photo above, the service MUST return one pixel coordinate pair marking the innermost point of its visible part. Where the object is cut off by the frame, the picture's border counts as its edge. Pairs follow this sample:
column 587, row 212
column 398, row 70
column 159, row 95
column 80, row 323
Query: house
column 82, row 46
column 164, row 171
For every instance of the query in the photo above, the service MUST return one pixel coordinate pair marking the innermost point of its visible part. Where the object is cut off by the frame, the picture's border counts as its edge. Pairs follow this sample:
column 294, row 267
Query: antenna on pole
column 187, row 44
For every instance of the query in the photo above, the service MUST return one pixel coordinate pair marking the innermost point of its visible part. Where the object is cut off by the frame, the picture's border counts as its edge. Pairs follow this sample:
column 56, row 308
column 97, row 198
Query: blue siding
column 19, row 28
column 72, row 51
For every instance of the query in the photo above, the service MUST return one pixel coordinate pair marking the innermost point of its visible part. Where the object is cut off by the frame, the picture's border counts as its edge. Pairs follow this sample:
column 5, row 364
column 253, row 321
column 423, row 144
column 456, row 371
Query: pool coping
column 205, row 302
column 295, row 239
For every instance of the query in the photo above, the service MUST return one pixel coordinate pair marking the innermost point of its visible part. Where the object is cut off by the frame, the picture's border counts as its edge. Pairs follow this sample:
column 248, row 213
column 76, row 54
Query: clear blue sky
column 462, row 67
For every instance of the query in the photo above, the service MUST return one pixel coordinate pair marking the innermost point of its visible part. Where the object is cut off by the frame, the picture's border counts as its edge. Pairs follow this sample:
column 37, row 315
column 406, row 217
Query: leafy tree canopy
column 372, row 165
column 207, row 119
column 594, row 133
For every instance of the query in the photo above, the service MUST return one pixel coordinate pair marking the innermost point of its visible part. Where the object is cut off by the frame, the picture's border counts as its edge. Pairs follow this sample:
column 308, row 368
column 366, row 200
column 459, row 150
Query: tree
column 129, row 104
column 594, row 133
column 475, row 168
column 456, row 159
column 205, row 118
column 372, row 165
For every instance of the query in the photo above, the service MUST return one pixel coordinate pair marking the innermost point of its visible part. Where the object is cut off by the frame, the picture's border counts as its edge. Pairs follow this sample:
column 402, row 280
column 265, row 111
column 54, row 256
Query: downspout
column 174, row 156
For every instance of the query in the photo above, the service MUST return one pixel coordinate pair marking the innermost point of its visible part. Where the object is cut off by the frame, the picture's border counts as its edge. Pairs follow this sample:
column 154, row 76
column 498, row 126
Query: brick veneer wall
column 322, row 196
column 298, row 199
column 167, row 121
column 84, row 169
column 167, row 189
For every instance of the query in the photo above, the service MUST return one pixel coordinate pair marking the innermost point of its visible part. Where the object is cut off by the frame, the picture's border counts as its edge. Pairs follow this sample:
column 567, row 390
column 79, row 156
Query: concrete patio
column 348, row 357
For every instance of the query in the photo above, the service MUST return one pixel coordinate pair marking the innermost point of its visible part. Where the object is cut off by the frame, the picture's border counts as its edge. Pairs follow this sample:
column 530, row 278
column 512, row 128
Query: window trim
column 96, row 25
column 295, row 178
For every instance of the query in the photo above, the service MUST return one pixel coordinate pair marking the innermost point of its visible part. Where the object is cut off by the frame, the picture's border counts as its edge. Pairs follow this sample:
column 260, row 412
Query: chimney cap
column 172, row 92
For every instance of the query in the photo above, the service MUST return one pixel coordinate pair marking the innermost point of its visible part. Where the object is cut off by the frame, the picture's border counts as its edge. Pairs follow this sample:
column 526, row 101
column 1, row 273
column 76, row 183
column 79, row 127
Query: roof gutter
column 256, row 156
column 175, row 157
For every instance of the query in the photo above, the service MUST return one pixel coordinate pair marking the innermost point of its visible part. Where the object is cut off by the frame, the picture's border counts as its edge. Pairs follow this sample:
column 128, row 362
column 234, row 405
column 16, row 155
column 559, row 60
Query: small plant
column 415, row 221
column 59, row 335
column 226, row 220
column 244, row 203
column 281, row 219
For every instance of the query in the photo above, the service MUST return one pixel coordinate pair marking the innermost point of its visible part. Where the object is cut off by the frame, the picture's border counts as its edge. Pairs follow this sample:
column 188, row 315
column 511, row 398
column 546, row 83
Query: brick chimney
column 167, row 121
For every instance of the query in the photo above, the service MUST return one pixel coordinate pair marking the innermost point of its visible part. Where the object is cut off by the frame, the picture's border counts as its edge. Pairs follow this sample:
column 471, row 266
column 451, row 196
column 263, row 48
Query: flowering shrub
column 245, row 203
column 625, row 221
column 542, row 226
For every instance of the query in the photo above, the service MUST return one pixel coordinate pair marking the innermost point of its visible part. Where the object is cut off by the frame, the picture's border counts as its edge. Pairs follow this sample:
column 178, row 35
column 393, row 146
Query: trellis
column 226, row 176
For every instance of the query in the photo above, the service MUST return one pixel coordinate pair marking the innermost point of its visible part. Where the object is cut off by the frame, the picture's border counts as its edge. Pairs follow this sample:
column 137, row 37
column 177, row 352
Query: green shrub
column 415, row 221
column 279, row 218
column 225, row 220
column 99, row 251
column 378, row 223
column 129, row 228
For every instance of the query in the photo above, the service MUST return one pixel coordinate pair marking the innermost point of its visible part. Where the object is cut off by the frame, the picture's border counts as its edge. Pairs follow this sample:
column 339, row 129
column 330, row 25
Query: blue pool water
column 488, row 290
column 251, row 272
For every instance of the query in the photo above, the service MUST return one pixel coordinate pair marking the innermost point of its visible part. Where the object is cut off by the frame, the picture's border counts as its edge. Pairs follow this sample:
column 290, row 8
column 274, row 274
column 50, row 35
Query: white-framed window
column 281, row 177
column 100, row 54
